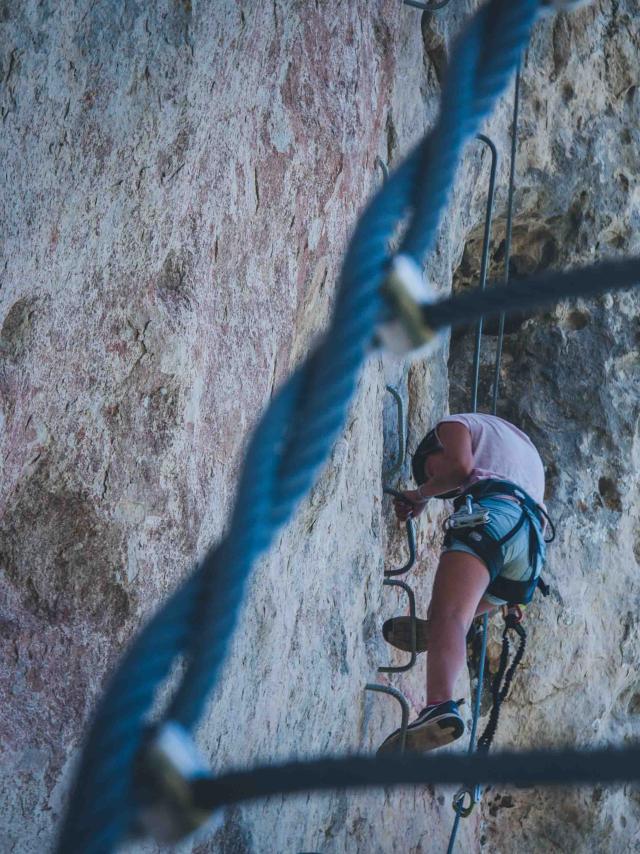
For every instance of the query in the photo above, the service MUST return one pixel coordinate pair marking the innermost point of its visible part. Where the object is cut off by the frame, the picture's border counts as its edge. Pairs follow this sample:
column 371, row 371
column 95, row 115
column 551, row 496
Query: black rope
column 500, row 691
column 540, row 767
column 537, row 291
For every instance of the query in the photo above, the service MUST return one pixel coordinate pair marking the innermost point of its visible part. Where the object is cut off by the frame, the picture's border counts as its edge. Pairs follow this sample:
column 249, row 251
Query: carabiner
column 473, row 792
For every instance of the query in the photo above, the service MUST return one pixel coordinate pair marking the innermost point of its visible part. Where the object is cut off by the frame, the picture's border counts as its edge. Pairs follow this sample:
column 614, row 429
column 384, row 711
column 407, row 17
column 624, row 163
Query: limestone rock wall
column 179, row 184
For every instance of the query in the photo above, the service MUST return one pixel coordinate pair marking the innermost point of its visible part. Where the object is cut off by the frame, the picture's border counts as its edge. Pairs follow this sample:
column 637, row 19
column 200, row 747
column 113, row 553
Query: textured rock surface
column 179, row 186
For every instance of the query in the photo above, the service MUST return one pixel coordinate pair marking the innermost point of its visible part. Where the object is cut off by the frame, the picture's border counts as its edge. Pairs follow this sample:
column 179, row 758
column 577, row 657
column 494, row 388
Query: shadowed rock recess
column 179, row 184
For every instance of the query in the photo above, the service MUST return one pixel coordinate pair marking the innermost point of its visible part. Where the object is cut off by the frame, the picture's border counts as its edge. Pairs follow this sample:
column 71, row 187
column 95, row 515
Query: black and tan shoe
column 434, row 727
column 397, row 632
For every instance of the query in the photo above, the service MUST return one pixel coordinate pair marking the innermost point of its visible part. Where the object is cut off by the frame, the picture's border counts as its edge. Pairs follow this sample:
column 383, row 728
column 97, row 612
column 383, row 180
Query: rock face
column 179, row 187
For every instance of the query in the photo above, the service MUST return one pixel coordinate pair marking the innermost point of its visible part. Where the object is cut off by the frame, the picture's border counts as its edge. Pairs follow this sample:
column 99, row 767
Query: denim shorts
column 504, row 515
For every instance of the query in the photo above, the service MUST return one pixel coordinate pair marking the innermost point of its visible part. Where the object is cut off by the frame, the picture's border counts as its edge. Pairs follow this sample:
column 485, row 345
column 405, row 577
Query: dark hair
column 429, row 445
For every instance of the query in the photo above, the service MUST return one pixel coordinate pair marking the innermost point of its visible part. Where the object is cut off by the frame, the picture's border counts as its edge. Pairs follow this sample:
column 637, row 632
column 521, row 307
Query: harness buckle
column 470, row 516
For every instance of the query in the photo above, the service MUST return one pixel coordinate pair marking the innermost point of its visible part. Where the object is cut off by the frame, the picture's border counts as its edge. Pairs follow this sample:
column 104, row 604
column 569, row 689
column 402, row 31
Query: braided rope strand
column 483, row 61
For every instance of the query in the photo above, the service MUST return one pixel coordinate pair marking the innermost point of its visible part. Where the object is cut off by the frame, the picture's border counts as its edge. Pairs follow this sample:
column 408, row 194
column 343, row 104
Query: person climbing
column 491, row 469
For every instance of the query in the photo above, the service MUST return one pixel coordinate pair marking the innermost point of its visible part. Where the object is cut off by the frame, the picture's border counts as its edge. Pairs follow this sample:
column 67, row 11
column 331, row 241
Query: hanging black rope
column 500, row 690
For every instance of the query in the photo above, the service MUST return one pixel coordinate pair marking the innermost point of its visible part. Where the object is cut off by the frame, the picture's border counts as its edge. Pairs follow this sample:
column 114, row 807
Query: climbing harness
column 469, row 526
column 284, row 456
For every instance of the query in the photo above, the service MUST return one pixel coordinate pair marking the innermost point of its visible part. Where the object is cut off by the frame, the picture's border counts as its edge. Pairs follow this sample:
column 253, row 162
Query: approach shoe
column 434, row 727
column 397, row 632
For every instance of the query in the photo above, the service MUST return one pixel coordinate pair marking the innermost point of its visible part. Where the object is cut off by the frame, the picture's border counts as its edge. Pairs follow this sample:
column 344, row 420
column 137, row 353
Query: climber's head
column 431, row 444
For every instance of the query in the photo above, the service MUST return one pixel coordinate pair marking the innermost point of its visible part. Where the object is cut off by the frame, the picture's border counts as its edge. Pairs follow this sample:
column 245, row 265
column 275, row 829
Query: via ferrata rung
column 394, row 582
column 433, row 6
column 411, row 540
column 390, row 582
column 404, row 705
column 400, row 457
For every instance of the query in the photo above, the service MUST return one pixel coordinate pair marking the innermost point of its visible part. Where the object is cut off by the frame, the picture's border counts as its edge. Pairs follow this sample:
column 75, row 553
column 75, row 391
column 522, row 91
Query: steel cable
column 535, row 292
column 530, row 768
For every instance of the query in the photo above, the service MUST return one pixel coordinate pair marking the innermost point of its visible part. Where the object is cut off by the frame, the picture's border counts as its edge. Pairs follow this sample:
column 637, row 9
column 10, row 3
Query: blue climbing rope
column 291, row 442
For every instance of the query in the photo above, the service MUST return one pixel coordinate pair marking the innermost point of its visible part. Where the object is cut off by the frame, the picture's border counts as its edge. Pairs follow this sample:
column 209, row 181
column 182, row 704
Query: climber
column 491, row 468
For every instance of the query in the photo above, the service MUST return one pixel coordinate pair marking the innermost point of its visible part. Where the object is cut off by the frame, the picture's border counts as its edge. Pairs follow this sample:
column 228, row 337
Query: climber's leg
column 458, row 588
column 397, row 630
column 460, row 582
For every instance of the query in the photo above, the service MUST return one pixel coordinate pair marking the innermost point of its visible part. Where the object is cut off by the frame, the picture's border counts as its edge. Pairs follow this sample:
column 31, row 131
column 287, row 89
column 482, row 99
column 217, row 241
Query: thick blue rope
column 290, row 444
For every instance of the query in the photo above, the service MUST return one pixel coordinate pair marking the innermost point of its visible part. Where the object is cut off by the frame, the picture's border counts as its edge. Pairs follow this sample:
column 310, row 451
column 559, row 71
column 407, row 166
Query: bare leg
column 457, row 597
column 484, row 607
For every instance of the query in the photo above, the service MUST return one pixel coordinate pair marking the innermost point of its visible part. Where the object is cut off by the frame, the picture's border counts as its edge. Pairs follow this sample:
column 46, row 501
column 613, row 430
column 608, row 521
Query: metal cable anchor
column 167, row 769
column 407, row 292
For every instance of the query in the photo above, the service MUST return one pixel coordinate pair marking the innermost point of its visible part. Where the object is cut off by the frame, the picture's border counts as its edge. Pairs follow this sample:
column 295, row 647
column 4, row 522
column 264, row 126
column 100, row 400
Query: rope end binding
column 169, row 765
column 407, row 292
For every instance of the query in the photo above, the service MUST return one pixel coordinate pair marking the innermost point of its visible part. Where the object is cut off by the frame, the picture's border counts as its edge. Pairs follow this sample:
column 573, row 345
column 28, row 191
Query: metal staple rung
column 392, row 582
column 404, row 704
column 427, row 7
column 402, row 445
column 411, row 540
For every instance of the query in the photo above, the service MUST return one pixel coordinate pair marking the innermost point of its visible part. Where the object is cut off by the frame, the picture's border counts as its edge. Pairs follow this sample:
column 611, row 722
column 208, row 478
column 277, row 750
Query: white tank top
column 502, row 451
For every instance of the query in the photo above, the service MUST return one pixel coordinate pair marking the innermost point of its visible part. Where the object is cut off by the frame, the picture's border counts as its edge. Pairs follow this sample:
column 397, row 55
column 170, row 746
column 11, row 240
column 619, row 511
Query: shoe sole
column 397, row 632
column 430, row 735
